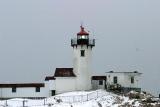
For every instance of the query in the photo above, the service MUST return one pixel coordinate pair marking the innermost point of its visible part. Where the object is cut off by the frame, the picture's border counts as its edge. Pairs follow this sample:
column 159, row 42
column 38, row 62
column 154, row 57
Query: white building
column 98, row 82
column 82, row 51
column 72, row 79
column 126, row 80
column 22, row 90
column 64, row 79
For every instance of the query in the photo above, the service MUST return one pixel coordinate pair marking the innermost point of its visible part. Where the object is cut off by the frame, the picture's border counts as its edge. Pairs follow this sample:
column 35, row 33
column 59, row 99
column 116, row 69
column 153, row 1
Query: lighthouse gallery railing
column 91, row 42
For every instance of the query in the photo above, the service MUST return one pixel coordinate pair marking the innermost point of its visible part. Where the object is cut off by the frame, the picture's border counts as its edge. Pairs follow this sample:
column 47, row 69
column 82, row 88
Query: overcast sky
column 35, row 37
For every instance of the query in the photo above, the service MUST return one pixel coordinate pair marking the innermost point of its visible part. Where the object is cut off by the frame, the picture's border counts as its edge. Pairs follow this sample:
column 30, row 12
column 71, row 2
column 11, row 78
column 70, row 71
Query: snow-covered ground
column 98, row 98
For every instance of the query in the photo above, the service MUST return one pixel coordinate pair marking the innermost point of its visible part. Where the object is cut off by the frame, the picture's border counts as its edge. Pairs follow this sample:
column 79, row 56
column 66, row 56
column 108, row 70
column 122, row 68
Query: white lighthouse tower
column 82, row 50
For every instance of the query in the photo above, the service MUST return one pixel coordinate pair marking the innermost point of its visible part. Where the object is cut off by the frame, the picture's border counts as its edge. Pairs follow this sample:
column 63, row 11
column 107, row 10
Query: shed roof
column 64, row 72
column 134, row 72
column 50, row 78
column 22, row 85
column 98, row 77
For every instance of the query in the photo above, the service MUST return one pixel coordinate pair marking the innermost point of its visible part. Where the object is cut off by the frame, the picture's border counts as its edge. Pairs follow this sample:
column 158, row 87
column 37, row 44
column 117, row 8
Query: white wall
column 95, row 84
column 82, row 68
column 119, row 76
column 128, row 81
column 65, row 84
column 50, row 85
column 23, row 92
column 124, row 79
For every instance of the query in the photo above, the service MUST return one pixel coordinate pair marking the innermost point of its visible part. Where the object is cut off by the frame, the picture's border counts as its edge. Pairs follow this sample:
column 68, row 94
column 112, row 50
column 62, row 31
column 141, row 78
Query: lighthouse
column 82, row 52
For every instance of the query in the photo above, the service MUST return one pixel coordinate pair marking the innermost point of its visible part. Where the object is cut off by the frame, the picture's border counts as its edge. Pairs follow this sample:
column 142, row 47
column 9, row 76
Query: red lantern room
column 82, row 39
column 82, row 34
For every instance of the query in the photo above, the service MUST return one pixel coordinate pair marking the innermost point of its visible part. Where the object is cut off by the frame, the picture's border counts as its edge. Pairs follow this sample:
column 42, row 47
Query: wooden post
column 6, row 103
column 44, row 102
column 24, row 102
column 81, row 98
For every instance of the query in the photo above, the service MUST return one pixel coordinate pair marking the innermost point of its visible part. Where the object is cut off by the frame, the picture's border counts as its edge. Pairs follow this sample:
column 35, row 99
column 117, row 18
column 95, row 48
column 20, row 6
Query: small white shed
column 65, row 80
column 29, row 90
column 126, row 80
column 98, row 82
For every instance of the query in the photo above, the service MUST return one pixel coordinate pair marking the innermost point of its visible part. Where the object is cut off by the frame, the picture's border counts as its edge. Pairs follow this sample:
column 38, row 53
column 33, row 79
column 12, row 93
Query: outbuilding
column 125, row 81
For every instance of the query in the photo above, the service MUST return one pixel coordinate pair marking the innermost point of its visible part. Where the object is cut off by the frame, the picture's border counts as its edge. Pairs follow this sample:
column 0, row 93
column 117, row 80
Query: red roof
column 64, row 72
column 82, row 32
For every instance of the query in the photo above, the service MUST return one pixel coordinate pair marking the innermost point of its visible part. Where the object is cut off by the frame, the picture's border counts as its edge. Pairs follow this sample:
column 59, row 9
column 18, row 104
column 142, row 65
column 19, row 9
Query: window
column 132, row 80
column 115, row 80
column 82, row 37
column 100, row 82
column 13, row 89
column 53, row 92
column 82, row 53
column 37, row 89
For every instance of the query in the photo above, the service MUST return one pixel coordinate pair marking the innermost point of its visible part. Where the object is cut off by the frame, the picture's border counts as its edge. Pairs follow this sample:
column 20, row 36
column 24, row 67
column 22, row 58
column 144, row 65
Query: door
column 115, row 80
column 53, row 92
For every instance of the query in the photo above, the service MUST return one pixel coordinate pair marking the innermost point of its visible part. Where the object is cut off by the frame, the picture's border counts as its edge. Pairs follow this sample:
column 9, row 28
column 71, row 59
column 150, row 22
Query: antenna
column 81, row 23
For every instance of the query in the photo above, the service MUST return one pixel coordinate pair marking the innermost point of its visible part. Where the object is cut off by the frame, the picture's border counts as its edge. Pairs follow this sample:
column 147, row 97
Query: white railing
column 52, row 100
column 74, row 41
column 80, row 98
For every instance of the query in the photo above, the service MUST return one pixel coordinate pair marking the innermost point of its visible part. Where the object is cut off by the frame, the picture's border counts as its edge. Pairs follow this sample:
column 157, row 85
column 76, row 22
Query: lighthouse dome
column 82, row 32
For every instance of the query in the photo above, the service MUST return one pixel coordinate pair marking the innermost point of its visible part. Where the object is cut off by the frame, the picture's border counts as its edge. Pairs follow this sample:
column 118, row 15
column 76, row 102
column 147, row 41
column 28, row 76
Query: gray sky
column 35, row 37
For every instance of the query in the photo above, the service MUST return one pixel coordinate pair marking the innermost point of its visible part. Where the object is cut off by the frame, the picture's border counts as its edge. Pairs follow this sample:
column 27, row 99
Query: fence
column 80, row 98
column 51, row 101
